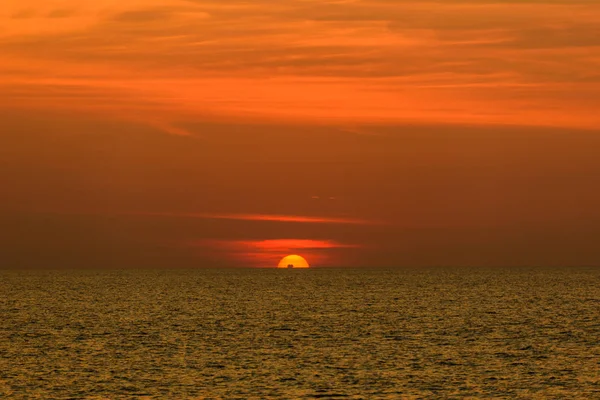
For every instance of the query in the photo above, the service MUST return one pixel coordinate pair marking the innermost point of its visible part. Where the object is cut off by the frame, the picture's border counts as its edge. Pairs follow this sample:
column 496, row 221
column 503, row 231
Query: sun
column 293, row 261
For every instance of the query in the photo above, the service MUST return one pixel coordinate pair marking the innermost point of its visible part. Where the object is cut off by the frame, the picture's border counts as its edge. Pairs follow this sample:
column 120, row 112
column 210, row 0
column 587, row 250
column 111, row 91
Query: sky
column 392, row 133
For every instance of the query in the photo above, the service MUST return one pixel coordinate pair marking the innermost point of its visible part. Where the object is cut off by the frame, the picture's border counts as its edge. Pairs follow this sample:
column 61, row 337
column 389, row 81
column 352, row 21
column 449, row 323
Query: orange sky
column 397, row 132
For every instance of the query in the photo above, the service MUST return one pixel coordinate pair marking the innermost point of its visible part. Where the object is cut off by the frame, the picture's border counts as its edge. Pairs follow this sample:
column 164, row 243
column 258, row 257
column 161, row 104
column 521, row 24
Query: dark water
column 501, row 333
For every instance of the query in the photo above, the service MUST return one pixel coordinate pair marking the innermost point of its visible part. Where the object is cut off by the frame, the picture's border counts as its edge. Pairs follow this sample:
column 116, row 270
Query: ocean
column 295, row 334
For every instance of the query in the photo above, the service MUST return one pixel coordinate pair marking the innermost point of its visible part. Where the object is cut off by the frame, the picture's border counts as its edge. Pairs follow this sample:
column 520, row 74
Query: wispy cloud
column 267, row 252
column 270, row 218
column 277, row 245
column 404, row 61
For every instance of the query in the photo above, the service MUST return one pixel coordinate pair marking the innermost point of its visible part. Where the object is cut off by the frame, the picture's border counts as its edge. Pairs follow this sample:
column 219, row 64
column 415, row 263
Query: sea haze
column 318, row 333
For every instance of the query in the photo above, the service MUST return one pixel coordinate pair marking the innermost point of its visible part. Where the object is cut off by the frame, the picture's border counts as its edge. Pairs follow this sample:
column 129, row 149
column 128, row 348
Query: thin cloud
column 270, row 218
column 369, row 61
column 61, row 13
column 276, row 245
column 267, row 252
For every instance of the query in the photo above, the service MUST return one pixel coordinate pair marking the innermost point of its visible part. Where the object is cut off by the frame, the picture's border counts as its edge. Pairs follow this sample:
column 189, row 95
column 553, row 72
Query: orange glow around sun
column 294, row 261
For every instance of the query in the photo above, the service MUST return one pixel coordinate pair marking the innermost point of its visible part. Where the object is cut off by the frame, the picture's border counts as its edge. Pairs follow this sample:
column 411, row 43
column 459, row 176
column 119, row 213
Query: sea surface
column 292, row 334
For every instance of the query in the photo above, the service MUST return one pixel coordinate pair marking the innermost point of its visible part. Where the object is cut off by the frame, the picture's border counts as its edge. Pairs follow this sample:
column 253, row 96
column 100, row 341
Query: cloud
column 556, row 37
column 267, row 252
column 341, row 62
column 270, row 218
column 278, row 245
column 23, row 14
column 61, row 13
column 143, row 16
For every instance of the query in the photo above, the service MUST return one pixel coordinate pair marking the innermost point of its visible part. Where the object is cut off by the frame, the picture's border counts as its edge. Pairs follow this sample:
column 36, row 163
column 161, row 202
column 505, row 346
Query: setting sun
column 293, row 261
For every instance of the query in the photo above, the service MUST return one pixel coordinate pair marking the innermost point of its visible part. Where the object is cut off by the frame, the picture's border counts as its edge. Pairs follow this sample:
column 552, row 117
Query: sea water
column 318, row 333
